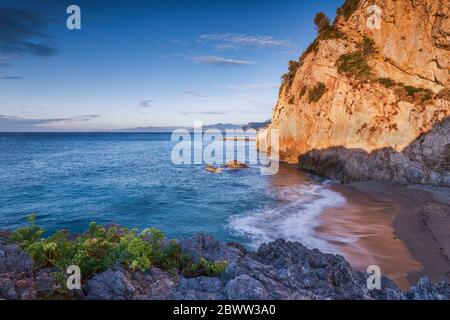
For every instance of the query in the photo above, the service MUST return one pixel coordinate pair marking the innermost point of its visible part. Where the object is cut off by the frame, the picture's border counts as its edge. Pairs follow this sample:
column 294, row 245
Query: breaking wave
column 294, row 219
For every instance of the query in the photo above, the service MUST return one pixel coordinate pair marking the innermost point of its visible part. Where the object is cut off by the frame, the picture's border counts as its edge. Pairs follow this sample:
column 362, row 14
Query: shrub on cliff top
column 326, row 31
column 317, row 92
column 101, row 247
column 321, row 21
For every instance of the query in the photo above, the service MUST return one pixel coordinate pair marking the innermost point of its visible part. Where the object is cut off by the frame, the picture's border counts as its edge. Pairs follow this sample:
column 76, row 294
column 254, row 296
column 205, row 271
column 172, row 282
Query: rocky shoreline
column 425, row 161
column 277, row 270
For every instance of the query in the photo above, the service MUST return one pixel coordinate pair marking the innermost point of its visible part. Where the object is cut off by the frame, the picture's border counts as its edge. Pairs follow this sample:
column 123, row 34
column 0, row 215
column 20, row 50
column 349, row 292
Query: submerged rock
column 213, row 169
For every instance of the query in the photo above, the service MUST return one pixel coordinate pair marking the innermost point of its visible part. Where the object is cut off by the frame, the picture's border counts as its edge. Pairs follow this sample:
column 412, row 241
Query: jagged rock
column 426, row 160
column 200, row 288
column 13, row 259
column 120, row 284
column 425, row 290
column 111, row 284
column 245, row 287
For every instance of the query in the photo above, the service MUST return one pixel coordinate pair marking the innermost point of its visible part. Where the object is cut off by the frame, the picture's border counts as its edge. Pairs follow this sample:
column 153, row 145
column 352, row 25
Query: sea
column 71, row 179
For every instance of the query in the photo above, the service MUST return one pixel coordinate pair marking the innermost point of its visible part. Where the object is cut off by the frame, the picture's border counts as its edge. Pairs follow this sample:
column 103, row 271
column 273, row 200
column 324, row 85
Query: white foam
column 294, row 219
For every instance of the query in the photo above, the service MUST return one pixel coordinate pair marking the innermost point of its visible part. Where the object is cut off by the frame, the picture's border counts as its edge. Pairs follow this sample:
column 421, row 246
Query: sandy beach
column 404, row 230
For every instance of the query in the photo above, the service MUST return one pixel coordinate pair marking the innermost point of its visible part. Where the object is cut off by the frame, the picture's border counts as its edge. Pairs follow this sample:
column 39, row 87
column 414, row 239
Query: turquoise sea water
column 71, row 179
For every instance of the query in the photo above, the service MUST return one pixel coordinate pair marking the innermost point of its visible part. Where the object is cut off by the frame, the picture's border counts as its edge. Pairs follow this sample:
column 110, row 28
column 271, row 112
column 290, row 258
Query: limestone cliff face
column 363, row 88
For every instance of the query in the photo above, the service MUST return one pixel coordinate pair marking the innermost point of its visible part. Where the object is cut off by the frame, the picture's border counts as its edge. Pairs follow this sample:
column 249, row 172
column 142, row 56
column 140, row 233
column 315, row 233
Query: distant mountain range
column 218, row 126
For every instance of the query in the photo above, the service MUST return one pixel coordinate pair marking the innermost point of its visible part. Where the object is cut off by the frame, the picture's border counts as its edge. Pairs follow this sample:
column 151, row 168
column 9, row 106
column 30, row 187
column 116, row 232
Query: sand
column 404, row 230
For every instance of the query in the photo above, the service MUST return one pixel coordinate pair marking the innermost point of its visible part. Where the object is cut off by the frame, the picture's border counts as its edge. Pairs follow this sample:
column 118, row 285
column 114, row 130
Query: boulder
column 234, row 164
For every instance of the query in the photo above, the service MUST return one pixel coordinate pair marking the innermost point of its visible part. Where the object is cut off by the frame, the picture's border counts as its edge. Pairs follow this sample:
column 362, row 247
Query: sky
column 142, row 63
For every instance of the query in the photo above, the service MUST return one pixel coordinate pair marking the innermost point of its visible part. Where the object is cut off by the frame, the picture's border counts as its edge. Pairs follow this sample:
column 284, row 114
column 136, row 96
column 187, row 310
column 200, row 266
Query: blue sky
column 147, row 63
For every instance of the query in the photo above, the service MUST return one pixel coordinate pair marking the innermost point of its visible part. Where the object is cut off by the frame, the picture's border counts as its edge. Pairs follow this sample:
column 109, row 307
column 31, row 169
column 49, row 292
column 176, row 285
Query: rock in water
column 234, row 164
column 213, row 169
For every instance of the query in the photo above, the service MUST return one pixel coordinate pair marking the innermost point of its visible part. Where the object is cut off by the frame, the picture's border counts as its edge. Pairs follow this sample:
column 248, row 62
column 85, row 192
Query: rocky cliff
column 278, row 270
column 361, row 87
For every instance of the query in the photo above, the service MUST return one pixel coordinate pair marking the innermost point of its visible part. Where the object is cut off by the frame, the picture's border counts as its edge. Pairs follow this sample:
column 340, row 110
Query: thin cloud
column 236, row 41
column 147, row 103
column 10, row 78
column 203, row 112
column 257, row 85
column 23, row 32
column 14, row 121
column 218, row 60
column 196, row 94
column 34, row 107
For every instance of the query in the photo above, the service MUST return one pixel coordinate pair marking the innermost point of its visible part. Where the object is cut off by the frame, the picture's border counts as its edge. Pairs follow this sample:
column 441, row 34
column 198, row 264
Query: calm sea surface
column 71, row 179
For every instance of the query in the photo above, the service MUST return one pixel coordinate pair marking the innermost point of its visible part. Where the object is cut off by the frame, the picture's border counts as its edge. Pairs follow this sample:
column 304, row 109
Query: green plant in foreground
column 100, row 248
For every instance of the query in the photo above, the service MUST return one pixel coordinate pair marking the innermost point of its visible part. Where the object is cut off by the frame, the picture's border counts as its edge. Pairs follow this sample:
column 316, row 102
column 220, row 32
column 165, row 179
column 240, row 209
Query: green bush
column 367, row 46
column 100, row 248
column 424, row 94
column 321, row 21
column 353, row 64
column 387, row 82
column 288, row 77
column 330, row 32
column 317, row 92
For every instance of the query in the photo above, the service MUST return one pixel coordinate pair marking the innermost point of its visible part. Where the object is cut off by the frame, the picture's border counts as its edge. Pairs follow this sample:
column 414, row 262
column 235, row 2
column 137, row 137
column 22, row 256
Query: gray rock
column 278, row 270
column 120, row 284
column 13, row 259
column 245, row 287
column 425, row 161
column 111, row 284
column 425, row 290
column 200, row 288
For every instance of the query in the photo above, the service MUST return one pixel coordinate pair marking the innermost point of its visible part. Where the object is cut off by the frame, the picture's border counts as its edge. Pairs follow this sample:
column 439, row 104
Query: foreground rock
column 17, row 278
column 278, row 270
